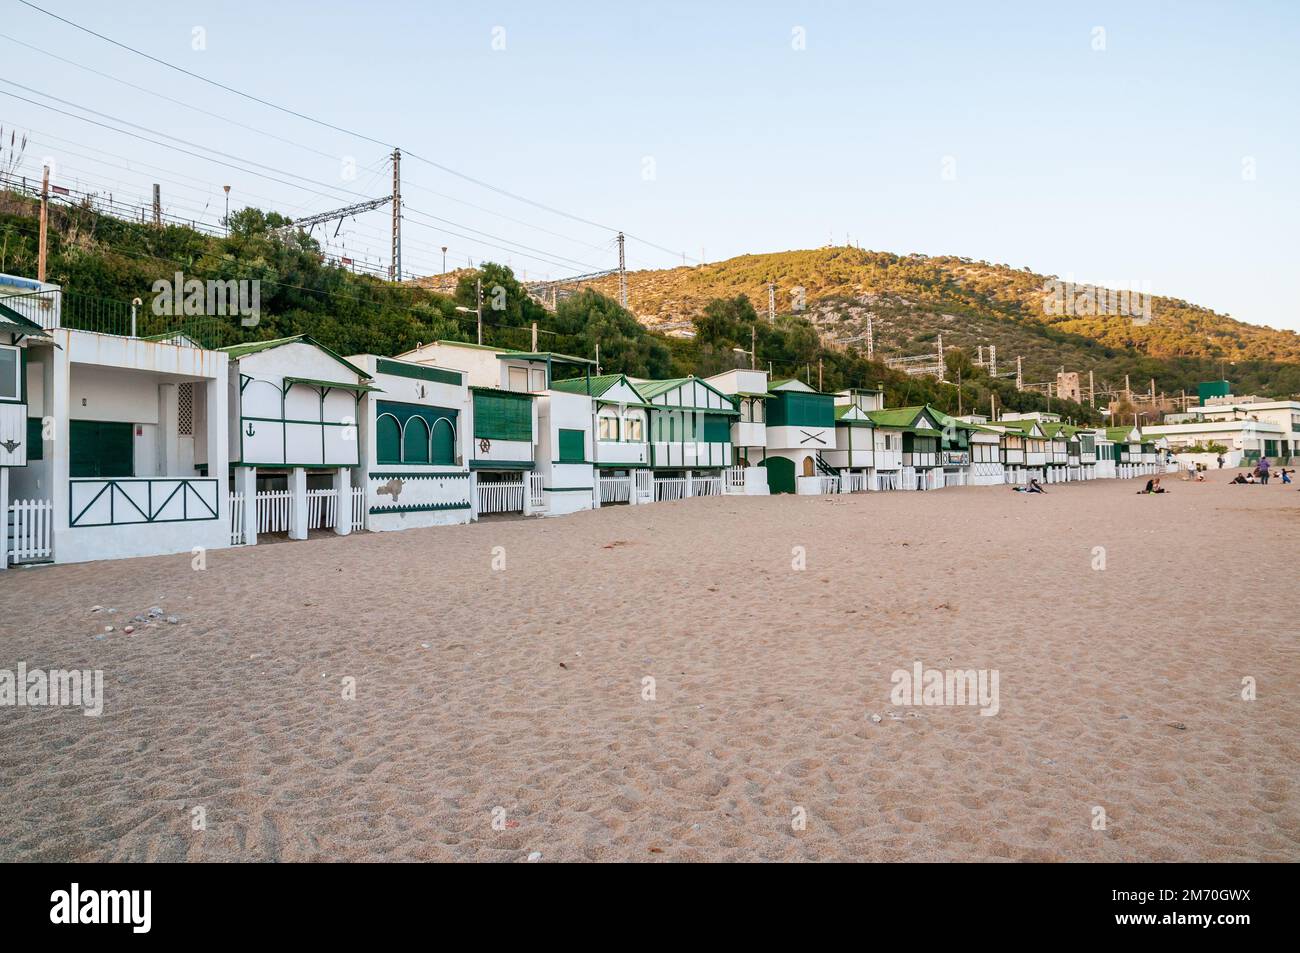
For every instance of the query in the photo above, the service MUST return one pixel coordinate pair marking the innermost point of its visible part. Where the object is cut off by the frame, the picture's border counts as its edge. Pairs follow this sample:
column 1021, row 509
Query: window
column 536, row 378
column 500, row 415
column 717, row 429
column 759, row 412
column 572, row 446
column 415, row 441
column 746, row 410
column 414, row 434
column 607, row 428
column 388, row 440
column 518, row 378
column 101, row 448
column 11, row 365
column 633, row 430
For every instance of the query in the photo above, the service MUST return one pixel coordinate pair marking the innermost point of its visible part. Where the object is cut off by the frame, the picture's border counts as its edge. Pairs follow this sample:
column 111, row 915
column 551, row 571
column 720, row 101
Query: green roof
column 550, row 356
column 1119, row 434
column 595, row 386
column 236, row 351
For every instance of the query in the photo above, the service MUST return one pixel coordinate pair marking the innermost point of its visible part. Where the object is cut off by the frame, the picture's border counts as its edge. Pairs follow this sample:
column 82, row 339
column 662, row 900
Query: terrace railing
column 501, row 496
column 670, row 488
column 274, row 511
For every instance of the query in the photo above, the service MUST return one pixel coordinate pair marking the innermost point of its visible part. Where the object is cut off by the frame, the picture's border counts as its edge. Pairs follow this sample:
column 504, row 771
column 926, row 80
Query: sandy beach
column 501, row 713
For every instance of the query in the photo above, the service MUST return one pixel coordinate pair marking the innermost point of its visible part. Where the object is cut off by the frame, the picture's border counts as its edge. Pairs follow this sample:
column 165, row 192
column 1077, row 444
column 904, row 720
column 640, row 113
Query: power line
column 350, row 132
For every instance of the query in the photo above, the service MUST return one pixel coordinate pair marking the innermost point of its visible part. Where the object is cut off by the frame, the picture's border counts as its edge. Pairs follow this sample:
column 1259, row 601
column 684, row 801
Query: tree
column 589, row 319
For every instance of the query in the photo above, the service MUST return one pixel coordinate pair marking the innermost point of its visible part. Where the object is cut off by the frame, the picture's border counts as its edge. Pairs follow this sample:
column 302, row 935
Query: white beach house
column 690, row 435
column 748, row 391
column 621, row 448
column 133, row 460
column 532, row 447
column 800, row 429
column 294, row 408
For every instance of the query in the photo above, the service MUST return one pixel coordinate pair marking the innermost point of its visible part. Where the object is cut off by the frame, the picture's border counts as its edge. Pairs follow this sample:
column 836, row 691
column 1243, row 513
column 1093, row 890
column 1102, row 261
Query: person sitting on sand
column 1033, row 487
column 1239, row 478
column 1286, row 475
column 1153, row 486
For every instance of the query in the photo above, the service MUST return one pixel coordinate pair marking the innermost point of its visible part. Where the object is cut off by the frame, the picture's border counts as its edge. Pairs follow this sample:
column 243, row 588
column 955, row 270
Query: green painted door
column 780, row 474
column 101, row 448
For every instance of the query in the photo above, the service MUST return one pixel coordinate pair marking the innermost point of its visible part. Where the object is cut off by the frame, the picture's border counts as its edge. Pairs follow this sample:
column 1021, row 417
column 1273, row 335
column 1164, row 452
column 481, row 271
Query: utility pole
column 771, row 302
column 871, row 339
column 157, row 205
column 819, row 375
column 226, row 188
column 979, row 356
column 478, row 306
column 1092, row 391
column 1020, row 376
column 959, row 390
column 942, row 367
column 534, row 337
column 396, row 273
column 993, row 360
column 42, row 254
column 622, row 274
column 597, row 359
column 444, row 259
column 753, row 346
column 1128, row 391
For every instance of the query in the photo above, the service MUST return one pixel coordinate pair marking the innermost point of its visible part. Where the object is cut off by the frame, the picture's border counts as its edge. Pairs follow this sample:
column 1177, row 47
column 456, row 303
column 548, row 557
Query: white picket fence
column 670, row 488
column 828, row 484
column 615, row 490
column 954, row 477
column 29, row 530
column 886, row 480
column 853, row 481
column 274, row 511
column 536, row 496
column 734, row 479
column 644, row 484
column 237, row 519
column 501, row 496
column 322, row 509
column 707, row 486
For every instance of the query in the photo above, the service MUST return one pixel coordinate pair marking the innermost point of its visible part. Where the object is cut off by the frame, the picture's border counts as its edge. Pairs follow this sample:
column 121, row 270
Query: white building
column 134, row 448
column 747, row 389
column 532, row 448
column 294, row 406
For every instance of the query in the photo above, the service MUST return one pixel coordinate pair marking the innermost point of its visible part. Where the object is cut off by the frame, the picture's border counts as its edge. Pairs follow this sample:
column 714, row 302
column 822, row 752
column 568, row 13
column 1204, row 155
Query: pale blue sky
column 1118, row 165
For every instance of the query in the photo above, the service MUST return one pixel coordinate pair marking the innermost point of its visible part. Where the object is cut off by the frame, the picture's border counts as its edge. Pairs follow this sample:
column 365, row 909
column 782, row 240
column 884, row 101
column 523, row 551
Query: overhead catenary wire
column 352, row 132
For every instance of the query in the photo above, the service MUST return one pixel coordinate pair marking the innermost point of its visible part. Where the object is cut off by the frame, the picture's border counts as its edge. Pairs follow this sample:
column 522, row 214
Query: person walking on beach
column 1220, row 461
column 1263, row 470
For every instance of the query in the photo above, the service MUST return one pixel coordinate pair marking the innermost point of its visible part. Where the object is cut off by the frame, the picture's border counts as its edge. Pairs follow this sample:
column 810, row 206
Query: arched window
column 415, row 441
column 388, row 439
column 444, row 442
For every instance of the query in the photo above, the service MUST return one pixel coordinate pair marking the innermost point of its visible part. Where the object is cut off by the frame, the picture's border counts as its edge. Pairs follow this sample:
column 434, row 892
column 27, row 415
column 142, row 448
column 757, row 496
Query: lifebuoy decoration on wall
column 484, row 445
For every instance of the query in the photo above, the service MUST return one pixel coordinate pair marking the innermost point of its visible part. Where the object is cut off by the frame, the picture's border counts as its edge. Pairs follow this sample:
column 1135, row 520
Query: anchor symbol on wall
column 249, row 431
column 420, row 388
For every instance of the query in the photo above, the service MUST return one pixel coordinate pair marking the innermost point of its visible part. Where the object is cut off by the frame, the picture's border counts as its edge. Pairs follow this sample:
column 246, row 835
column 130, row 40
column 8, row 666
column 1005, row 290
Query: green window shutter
column 503, row 416
column 100, row 448
column 415, row 440
column 35, row 448
column 717, row 428
column 444, row 442
column 572, row 446
column 388, row 440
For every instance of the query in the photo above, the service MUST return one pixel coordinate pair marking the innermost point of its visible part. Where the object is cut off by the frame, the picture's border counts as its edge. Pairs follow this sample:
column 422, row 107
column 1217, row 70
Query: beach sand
column 522, row 689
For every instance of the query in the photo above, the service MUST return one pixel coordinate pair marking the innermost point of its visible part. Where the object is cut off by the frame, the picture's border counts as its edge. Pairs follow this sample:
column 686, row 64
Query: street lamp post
column 444, row 259
column 226, row 188
column 477, row 310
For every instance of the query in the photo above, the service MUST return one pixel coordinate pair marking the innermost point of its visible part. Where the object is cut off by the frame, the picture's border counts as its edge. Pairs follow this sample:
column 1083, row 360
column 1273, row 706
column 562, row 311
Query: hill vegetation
column 103, row 262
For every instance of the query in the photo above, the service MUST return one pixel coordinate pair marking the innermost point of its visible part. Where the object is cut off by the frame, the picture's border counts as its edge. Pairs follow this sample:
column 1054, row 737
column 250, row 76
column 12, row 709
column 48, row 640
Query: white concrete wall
column 567, row 486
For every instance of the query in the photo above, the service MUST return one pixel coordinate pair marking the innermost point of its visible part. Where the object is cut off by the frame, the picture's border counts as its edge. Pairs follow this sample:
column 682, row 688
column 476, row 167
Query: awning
column 330, row 385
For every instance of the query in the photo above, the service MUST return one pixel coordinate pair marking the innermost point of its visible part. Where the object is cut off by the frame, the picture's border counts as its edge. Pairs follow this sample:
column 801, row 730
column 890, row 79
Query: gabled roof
column 595, row 386
column 852, row 415
column 790, row 383
column 652, row 389
column 1123, row 434
column 904, row 418
column 236, row 351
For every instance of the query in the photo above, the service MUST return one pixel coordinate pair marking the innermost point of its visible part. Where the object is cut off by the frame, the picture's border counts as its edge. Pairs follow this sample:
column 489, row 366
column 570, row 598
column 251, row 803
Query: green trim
column 236, row 351
column 419, row 372
column 387, row 475
column 502, row 464
column 418, row 508
column 328, row 385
